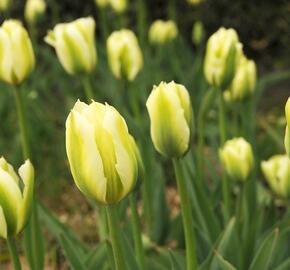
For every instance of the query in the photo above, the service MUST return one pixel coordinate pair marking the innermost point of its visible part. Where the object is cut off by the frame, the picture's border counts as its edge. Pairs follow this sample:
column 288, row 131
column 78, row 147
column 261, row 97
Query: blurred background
column 263, row 27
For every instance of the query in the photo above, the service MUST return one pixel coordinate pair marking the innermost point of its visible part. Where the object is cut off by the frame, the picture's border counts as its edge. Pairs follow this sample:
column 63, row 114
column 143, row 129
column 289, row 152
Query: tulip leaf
column 263, row 257
column 71, row 253
column 96, row 259
column 56, row 228
column 177, row 263
column 33, row 241
column 285, row 265
column 224, row 264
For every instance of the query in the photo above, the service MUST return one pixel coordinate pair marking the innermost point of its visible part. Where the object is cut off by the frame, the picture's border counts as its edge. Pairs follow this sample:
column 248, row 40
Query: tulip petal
column 126, row 163
column 84, row 158
column 10, row 200
column 9, row 169
column 26, row 172
column 5, row 56
column 169, row 130
column 3, row 225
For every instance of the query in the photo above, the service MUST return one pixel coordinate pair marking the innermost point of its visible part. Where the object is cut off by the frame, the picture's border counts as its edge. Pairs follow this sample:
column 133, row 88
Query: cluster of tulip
column 104, row 158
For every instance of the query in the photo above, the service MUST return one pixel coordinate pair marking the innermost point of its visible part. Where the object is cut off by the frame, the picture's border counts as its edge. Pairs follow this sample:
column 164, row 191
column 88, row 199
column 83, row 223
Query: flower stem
column 115, row 238
column 87, row 88
column 13, row 253
column 137, row 232
column 191, row 258
column 22, row 122
column 223, row 137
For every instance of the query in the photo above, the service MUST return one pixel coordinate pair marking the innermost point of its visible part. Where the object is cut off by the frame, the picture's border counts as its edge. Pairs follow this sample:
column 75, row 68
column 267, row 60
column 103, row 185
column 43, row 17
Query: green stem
column 191, row 258
column 172, row 10
column 137, row 232
column 13, row 253
column 115, row 238
column 223, row 138
column 22, row 122
column 141, row 20
column 206, row 104
column 88, row 88
column 104, row 23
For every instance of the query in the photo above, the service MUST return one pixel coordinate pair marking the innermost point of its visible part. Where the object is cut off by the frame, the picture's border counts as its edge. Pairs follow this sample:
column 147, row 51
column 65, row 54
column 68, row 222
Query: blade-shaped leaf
column 224, row 264
column 262, row 259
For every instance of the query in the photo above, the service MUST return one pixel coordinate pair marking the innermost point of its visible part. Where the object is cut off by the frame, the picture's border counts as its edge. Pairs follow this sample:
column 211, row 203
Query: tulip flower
column 244, row 82
column 161, row 32
column 222, row 55
column 287, row 133
column 103, row 156
column 15, row 197
column 34, row 9
column 197, row 33
column 118, row 6
column 102, row 3
column 17, row 57
column 124, row 54
column 74, row 43
column 171, row 117
column 4, row 4
column 194, row 2
column 277, row 173
column 237, row 158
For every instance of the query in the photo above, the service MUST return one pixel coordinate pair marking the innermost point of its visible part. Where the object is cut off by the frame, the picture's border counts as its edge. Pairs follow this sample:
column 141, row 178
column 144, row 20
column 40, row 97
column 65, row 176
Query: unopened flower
column 237, row 159
column 124, row 54
column 103, row 156
column 17, row 57
column 16, row 195
column 161, row 32
column 74, row 43
column 171, row 118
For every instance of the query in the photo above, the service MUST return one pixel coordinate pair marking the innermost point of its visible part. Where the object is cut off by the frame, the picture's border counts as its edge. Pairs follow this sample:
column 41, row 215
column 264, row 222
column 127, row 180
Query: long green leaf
column 224, row 264
column 97, row 257
column 71, row 253
column 284, row 265
column 262, row 259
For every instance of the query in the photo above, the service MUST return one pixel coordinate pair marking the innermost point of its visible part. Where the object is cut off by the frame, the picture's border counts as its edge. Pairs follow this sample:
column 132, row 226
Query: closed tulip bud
column 102, row 3
column 4, row 5
column 222, row 55
column 74, row 43
column 237, row 158
column 119, row 6
column 161, row 32
column 194, row 2
column 244, row 82
column 34, row 9
column 15, row 197
column 277, row 173
column 287, row 133
column 17, row 57
column 171, row 117
column 197, row 33
column 103, row 156
column 124, row 54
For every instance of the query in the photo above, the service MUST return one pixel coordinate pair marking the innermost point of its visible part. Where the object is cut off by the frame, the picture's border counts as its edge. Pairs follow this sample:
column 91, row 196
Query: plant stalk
column 191, row 257
column 13, row 253
column 87, row 86
column 115, row 238
column 136, row 226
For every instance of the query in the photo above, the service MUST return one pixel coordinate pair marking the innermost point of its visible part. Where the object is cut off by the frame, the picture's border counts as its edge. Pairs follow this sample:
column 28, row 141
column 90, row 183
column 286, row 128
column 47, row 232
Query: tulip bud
column 171, row 117
column 244, row 82
column 197, row 33
column 119, row 6
column 15, row 197
column 222, row 55
column 4, row 5
column 74, row 43
column 287, row 133
column 161, row 32
column 34, row 9
column 17, row 57
column 237, row 158
column 124, row 54
column 277, row 173
column 102, row 3
column 103, row 156
column 194, row 2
